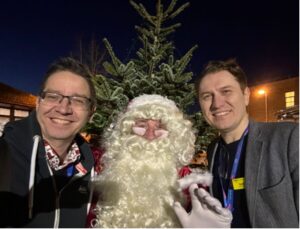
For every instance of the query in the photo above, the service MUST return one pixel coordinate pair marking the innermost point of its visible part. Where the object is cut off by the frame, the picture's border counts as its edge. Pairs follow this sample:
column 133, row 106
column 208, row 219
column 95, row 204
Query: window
column 11, row 114
column 21, row 113
column 4, row 115
column 289, row 99
column 4, row 111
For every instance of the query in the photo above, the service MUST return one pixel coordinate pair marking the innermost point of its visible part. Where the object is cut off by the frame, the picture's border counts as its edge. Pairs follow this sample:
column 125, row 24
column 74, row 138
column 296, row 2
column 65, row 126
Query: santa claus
column 144, row 152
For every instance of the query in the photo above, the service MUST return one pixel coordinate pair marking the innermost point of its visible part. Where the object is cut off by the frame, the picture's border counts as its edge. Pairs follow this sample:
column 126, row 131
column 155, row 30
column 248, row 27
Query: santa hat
column 145, row 99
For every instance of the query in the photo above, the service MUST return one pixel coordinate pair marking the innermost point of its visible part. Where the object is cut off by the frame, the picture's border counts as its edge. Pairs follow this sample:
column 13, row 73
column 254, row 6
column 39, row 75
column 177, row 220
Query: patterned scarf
column 53, row 159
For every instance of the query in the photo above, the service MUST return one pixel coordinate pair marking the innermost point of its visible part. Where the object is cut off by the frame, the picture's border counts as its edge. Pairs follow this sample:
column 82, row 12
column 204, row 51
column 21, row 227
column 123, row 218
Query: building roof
column 276, row 80
column 15, row 97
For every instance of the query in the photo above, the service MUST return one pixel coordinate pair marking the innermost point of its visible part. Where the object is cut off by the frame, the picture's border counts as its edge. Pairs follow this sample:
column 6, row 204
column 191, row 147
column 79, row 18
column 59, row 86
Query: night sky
column 263, row 35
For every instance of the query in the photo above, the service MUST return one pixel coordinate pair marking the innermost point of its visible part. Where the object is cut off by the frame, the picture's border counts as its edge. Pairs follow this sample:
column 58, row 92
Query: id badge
column 238, row 183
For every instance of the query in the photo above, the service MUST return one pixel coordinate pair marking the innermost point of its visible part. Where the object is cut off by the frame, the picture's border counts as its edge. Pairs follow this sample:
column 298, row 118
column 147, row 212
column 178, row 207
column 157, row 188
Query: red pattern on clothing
column 97, row 153
column 184, row 171
column 53, row 158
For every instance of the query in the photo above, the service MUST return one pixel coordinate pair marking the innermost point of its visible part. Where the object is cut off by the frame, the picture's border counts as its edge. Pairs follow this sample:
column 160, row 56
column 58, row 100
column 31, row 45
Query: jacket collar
column 252, row 166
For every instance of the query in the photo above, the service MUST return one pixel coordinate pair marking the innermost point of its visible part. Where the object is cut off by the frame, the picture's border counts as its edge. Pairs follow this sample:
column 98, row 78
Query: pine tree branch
column 183, row 62
column 169, row 9
column 115, row 60
column 142, row 12
column 154, row 70
column 179, row 10
column 159, row 17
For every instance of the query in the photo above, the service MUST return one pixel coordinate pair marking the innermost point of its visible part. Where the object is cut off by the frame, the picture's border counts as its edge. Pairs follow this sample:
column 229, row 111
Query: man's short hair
column 71, row 65
column 229, row 65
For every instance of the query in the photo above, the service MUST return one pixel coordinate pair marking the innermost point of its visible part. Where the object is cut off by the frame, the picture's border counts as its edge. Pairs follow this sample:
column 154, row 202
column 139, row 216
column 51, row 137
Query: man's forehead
column 218, row 76
column 220, row 88
column 218, row 80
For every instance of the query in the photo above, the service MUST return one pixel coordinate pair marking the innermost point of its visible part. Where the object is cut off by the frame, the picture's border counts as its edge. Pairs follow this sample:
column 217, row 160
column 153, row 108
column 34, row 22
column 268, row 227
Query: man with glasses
column 48, row 165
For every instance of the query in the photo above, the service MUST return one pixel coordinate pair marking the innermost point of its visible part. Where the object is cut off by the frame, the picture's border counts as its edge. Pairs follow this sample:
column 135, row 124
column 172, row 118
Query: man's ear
column 247, row 95
column 37, row 102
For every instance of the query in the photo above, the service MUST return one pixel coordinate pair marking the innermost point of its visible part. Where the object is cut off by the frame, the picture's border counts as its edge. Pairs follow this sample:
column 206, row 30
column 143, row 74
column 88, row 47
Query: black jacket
column 67, row 207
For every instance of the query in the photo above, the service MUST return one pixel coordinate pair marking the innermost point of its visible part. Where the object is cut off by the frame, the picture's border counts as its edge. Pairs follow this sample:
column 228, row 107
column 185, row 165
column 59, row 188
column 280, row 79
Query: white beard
column 138, row 185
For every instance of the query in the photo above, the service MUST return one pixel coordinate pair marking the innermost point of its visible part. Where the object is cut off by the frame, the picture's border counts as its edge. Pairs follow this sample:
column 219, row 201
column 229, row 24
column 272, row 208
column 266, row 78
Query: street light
column 264, row 92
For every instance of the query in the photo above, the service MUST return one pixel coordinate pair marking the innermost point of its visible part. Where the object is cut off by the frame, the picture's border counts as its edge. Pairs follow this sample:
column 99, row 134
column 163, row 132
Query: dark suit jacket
column 271, row 174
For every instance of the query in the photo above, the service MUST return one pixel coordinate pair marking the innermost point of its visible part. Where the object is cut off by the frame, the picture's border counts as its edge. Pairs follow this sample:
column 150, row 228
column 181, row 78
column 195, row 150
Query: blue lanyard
column 228, row 199
column 70, row 170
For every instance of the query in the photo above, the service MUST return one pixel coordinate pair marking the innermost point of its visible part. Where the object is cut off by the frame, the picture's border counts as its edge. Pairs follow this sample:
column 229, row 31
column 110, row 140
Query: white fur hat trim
column 145, row 99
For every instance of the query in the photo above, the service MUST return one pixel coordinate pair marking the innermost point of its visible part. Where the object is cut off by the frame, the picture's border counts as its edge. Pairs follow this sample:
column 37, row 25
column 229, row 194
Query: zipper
column 57, row 211
column 58, row 194
column 212, row 166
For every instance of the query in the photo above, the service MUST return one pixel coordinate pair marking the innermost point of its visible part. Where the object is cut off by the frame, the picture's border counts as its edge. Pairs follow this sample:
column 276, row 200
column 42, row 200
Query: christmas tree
column 154, row 70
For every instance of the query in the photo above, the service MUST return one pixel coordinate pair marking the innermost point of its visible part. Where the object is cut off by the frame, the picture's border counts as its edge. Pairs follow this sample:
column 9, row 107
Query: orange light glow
column 261, row 92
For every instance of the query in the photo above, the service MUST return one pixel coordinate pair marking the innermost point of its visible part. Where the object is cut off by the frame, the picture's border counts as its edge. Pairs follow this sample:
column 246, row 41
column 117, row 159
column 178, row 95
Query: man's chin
column 222, row 125
column 59, row 136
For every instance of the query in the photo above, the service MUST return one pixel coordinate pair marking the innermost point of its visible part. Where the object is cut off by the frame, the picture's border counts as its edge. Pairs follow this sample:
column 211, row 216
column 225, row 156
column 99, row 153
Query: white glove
column 206, row 211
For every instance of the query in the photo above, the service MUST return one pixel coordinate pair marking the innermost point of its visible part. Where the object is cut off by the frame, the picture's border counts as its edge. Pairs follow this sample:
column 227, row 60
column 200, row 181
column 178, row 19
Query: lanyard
column 228, row 199
column 70, row 170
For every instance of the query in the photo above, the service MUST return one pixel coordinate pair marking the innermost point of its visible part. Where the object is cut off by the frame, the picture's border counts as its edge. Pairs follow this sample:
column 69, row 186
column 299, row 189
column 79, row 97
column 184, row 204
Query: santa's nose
column 150, row 134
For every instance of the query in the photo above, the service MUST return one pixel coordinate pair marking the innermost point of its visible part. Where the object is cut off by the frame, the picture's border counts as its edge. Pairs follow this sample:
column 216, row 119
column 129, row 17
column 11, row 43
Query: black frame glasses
column 76, row 101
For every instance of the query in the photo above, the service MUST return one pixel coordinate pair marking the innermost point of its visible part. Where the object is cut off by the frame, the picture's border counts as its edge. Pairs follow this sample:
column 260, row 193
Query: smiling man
column 49, row 165
column 255, row 165
column 223, row 104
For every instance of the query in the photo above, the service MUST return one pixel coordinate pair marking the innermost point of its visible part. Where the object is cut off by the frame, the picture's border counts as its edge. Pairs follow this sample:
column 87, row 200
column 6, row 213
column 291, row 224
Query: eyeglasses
column 77, row 102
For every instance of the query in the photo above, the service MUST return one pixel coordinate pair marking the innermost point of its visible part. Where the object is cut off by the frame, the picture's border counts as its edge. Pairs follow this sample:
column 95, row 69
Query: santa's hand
column 207, row 211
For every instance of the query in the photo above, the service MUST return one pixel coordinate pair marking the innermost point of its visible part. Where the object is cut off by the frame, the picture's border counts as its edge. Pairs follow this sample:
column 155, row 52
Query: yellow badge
column 238, row 183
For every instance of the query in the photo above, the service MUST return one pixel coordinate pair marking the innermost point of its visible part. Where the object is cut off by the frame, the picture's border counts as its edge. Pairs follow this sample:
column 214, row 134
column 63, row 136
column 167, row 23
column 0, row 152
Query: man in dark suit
column 255, row 165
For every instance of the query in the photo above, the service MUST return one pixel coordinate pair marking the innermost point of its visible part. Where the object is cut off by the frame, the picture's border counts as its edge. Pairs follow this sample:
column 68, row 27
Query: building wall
column 14, row 104
column 275, row 98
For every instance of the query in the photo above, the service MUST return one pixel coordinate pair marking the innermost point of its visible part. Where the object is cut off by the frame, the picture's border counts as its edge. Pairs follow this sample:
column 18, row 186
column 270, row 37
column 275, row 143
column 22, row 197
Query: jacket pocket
column 276, row 205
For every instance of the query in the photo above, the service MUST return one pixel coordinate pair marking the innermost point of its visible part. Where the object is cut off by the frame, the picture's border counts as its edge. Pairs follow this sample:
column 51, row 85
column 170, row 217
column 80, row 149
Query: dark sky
column 263, row 35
